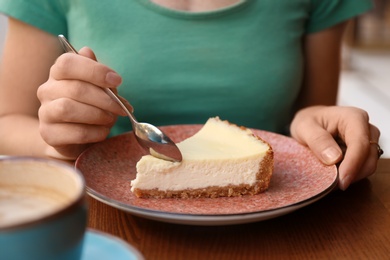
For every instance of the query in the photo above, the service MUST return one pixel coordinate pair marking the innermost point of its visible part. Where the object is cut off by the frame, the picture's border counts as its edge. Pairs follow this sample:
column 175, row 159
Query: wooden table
column 354, row 224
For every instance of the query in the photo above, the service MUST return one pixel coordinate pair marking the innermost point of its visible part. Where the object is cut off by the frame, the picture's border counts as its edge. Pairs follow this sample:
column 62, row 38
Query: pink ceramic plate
column 299, row 179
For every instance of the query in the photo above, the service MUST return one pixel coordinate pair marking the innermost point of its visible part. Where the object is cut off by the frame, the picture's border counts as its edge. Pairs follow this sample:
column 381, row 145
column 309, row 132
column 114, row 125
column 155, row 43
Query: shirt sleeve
column 47, row 15
column 326, row 13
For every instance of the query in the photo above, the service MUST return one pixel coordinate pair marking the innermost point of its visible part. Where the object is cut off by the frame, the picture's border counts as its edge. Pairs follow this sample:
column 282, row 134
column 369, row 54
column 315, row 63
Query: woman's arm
column 319, row 124
column 27, row 57
column 52, row 104
column 322, row 54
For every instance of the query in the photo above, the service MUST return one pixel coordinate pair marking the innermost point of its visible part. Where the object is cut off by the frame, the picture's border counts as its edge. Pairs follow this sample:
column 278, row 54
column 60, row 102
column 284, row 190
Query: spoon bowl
column 148, row 136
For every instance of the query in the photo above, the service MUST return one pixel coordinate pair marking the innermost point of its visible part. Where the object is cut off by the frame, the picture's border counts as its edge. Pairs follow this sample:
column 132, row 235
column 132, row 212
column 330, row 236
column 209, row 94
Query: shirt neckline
column 194, row 15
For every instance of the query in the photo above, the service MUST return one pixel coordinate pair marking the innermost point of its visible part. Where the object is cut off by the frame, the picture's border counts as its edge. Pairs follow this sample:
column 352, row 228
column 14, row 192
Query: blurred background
column 365, row 78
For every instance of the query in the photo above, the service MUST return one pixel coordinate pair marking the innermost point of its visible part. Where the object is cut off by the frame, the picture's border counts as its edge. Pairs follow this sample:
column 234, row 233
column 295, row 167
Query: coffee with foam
column 43, row 214
column 20, row 204
column 33, row 190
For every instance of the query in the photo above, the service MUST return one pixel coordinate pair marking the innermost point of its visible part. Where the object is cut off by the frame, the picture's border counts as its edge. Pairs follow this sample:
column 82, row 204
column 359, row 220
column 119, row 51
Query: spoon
column 147, row 135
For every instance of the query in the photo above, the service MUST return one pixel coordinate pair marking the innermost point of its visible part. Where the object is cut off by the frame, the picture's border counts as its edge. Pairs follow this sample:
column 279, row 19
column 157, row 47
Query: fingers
column 361, row 158
column 65, row 121
column 64, row 135
column 355, row 131
column 370, row 165
column 75, row 110
column 77, row 67
column 65, row 110
column 308, row 129
column 323, row 145
column 82, row 92
column 318, row 127
column 87, row 52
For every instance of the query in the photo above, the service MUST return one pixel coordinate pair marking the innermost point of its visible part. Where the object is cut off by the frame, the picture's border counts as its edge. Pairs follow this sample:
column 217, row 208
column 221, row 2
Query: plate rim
column 211, row 219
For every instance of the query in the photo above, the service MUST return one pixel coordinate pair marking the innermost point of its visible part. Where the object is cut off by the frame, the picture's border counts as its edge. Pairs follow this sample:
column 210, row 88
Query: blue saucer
column 99, row 245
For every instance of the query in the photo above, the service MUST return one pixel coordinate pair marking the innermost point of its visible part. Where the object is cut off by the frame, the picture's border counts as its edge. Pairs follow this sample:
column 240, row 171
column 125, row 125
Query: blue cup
column 43, row 212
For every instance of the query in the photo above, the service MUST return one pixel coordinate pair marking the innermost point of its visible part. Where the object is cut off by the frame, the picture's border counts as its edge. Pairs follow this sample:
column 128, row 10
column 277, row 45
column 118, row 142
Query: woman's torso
column 240, row 60
column 242, row 63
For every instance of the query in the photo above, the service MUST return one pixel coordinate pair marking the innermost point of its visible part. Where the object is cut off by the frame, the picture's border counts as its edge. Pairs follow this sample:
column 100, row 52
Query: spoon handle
column 69, row 48
column 124, row 106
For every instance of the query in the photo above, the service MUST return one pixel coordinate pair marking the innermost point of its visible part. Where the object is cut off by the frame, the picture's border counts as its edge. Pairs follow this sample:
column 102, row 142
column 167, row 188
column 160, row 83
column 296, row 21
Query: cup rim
column 80, row 198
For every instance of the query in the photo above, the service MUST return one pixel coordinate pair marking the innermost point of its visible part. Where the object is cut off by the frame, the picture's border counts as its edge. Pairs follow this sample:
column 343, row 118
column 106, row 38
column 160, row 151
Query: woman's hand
column 320, row 127
column 75, row 111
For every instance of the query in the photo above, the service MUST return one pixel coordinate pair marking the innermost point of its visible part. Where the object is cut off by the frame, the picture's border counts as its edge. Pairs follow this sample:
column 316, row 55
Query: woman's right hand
column 75, row 111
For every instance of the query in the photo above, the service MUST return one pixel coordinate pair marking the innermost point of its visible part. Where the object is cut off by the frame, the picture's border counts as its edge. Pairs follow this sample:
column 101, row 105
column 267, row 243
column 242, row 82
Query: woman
column 263, row 64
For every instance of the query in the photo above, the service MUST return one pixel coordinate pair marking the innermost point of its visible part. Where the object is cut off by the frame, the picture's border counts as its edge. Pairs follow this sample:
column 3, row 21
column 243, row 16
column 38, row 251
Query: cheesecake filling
column 163, row 175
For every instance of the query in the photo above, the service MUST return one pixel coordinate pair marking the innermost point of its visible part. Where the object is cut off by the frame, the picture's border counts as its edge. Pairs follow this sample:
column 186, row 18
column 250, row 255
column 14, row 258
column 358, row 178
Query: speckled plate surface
column 299, row 179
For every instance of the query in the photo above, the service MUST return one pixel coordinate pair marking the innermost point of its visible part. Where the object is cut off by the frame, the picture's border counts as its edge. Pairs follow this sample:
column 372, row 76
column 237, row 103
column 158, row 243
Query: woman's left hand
column 321, row 127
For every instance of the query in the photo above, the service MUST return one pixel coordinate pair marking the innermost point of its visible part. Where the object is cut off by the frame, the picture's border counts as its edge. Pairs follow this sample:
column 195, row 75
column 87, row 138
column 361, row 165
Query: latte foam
column 22, row 204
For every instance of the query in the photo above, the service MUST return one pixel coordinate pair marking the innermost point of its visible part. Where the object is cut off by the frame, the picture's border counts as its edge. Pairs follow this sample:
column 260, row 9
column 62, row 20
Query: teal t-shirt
column 242, row 63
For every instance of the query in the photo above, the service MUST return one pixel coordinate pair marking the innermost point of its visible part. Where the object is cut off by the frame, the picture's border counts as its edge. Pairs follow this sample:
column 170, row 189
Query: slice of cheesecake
column 222, row 159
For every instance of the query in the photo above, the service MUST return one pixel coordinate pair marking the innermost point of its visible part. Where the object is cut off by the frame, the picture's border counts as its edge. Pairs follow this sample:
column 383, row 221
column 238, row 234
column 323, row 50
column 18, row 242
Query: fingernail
column 344, row 182
column 113, row 79
column 330, row 155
